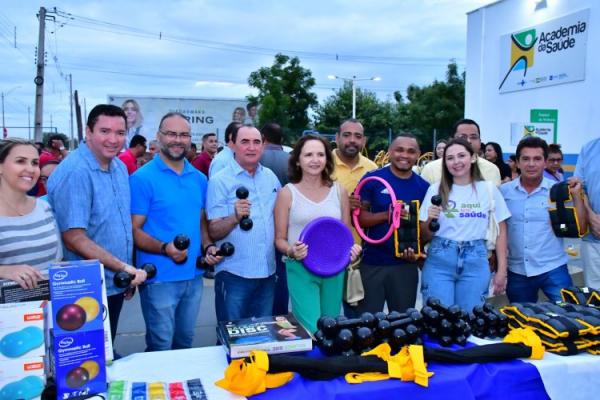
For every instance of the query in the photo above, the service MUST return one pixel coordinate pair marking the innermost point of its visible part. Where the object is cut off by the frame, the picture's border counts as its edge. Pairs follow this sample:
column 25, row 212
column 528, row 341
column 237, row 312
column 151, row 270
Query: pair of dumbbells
column 123, row 279
column 487, row 321
column 447, row 324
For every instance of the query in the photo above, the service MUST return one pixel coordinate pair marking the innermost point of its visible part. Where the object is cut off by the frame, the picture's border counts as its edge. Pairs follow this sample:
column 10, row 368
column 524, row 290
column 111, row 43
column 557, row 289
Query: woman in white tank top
column 310, row 194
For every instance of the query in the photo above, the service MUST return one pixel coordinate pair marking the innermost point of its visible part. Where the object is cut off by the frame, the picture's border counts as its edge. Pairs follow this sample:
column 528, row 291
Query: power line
column 119, row 29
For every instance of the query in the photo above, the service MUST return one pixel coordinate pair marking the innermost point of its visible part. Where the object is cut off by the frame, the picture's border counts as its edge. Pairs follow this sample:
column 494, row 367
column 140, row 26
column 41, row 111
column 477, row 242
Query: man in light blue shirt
column 244, row 282
column 536, row 257
column 89, row 193
column 588, row 170
column 224, row 157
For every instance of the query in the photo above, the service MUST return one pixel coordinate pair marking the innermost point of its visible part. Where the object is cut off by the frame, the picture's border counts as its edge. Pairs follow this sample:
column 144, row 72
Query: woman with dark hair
column 29, row 237
column 514, row 169
column 310, row 194
column 456, row 270
column 439, row 149
column 493, row 153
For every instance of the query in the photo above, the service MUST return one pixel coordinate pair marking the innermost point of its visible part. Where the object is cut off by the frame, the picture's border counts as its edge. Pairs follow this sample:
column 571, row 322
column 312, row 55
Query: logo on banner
column 522, row 53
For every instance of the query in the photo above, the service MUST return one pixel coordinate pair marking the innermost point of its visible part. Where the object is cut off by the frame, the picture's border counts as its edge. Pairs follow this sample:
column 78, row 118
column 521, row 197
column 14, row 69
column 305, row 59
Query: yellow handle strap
column 528, row 337
column 250, row 378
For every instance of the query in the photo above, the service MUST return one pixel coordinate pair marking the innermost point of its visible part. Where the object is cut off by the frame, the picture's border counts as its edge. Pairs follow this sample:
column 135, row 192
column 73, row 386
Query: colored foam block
column 27, row 388
column 16, row 344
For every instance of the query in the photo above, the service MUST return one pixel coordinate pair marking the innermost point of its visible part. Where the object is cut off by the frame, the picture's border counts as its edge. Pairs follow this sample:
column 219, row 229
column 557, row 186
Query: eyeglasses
column 43, row 178
column 180, row 135
column 555, row 160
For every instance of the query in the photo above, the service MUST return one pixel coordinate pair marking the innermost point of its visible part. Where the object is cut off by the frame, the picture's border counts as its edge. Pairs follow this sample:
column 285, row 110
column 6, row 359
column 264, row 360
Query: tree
column 284, row 94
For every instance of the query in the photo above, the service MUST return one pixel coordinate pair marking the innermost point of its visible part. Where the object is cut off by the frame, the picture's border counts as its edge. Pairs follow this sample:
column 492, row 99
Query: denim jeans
column 456, row 272
column 524, row 289
column 170, row 311
column 243, row 297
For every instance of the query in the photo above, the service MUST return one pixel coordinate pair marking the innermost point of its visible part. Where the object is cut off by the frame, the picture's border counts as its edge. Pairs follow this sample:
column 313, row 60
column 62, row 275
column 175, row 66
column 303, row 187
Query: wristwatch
column 163, row 249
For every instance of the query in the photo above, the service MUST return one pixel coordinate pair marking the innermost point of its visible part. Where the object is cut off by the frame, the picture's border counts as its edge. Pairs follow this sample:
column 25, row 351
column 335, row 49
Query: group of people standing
column 95, row 210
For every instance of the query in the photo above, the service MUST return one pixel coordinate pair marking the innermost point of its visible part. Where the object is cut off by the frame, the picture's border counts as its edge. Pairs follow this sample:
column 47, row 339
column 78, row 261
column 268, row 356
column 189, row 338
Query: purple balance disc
column 329, row 242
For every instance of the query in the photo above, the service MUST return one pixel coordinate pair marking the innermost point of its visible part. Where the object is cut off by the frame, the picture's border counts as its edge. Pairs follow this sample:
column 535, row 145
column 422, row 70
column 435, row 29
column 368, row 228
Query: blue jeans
column 456, row 272
column 170, row 311
column 524, row 289
column 243, row 297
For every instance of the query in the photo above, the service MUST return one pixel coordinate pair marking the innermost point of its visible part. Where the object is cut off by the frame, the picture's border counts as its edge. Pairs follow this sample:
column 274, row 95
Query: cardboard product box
column 102, row 311
column 76, row 293
column 22, row 378
column 77, row 335
column 79, row 367
column 11, row 292
column 21, row 332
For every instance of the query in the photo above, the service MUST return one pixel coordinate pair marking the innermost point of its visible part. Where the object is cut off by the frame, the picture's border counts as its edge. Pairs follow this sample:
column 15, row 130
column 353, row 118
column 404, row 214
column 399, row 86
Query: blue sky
column 208, row 48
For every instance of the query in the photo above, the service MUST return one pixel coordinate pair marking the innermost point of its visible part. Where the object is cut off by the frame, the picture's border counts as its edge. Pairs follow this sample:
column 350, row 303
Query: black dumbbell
column 225, row 250
column 344, row 341
column 398, row 338
column 434, row 225
column 181, row 242
column 328, row 325
column 363, row 339
column 245, row 223
column 123, row 279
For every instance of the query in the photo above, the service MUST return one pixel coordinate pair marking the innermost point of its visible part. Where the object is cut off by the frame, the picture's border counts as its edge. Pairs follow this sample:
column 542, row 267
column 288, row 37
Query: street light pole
column 353, row 80
column 354, row 96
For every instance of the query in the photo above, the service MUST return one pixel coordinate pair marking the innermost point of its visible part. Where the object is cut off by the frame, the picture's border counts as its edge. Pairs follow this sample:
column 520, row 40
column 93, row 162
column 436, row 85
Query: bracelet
column 163, row 248
column 208, row 246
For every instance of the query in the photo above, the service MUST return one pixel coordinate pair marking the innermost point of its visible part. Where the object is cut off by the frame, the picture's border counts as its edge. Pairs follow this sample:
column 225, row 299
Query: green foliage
column 284, row 94
column 64, row 138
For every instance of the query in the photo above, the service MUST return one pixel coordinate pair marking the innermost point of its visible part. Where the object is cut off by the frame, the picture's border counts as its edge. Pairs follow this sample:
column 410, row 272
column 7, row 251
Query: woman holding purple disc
column 310, row 194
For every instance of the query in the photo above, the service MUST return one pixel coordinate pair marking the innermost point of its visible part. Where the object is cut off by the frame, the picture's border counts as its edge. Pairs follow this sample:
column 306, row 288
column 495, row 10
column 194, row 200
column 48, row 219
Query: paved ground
column 130, row 336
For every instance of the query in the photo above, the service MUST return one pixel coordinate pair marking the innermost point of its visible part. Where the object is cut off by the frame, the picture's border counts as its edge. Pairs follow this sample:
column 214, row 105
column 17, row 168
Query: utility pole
column 29, row 122
column 71, row 101
column 39, row 78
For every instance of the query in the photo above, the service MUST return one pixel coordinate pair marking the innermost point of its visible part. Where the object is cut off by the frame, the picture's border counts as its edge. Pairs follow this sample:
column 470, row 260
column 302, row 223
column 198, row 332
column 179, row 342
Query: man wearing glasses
column 469, row 130
column 167, row 199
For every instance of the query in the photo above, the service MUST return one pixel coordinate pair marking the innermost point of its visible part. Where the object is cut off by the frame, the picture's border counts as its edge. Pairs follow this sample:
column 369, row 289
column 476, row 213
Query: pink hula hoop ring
column 396, row 211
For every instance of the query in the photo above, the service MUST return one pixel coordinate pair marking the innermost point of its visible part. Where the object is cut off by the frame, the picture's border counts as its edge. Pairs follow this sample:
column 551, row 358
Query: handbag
column 493, row 230
column 354, row 290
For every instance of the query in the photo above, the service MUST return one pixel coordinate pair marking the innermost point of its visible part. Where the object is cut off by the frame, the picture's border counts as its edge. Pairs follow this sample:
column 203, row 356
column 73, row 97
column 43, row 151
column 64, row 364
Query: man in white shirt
column 469, row 130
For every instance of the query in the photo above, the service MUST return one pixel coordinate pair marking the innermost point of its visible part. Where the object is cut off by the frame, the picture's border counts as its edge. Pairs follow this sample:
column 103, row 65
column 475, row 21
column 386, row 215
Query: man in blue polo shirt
column 536, row 257
column 167, row 199
column 244, row 282
column 89, row 194
column 385, row 277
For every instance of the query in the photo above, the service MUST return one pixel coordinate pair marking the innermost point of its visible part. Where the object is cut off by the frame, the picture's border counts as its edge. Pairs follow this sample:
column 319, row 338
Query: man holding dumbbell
column 244, row 282
column 169, row 228
column 386, row 276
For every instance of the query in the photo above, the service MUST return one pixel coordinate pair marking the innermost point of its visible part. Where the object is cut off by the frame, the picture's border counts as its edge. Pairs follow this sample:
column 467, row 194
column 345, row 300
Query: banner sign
column 547, row 54
column 205, row 115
